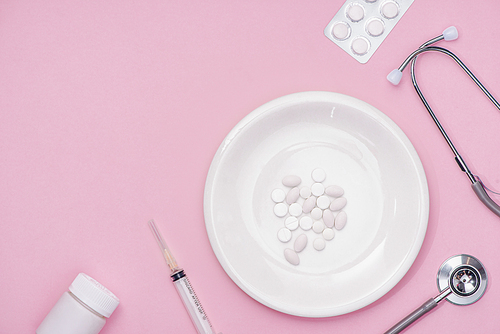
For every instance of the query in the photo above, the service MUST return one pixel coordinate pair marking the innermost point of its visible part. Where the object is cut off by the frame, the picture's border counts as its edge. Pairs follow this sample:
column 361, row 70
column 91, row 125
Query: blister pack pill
column 360, row 26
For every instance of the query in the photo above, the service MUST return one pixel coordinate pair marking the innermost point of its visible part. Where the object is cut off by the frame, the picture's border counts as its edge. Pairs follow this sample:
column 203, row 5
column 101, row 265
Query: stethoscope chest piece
column 465, row 276
column 461, row 280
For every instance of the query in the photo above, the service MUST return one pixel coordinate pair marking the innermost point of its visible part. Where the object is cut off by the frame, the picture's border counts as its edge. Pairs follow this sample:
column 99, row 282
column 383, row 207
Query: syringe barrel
column 192, row 303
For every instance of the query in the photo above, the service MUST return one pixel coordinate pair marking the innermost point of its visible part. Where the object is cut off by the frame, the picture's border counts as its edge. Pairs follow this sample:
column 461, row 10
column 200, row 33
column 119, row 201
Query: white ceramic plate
column 361, row 150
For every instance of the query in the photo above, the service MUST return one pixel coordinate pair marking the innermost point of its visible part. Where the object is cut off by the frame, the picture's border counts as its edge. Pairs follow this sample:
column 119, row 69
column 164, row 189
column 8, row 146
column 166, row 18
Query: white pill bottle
column 81, row 310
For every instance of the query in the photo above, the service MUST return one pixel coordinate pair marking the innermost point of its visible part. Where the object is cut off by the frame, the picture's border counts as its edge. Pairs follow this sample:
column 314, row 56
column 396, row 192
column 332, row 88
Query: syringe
column 184, row 288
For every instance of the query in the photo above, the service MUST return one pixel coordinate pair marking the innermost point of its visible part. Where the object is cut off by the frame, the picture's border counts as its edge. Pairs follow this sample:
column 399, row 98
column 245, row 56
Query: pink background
column 111, row 112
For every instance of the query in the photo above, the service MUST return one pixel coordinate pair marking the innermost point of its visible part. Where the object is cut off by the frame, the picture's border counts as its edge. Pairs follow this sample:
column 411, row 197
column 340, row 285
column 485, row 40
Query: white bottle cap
column 94, row 295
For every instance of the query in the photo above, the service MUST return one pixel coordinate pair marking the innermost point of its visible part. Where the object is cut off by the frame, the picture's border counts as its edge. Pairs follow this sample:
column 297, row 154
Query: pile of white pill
column 360, row 26
column 317, row 207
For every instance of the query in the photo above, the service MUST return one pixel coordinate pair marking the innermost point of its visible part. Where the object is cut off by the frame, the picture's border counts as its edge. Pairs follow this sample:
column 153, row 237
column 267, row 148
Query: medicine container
column 81, row 310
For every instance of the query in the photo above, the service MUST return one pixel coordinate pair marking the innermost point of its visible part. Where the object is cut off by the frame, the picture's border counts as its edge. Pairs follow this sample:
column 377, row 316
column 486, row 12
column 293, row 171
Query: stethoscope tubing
column 429, row 305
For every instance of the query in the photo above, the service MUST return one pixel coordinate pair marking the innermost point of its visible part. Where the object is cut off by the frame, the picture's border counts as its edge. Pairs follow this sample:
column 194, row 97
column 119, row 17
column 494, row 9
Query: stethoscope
column 394, row 77
column 461, row 280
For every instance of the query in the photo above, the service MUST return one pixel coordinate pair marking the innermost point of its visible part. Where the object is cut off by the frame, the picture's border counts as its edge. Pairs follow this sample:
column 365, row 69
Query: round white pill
column 375, row 27
column 318, row 226
column 293, row 195
column 323, row 202
column 341, row 30
column 278, row 195
column 318, row 175
column 300, row 243
column 284, row 234
column 355, row 12
column 295, row 209
column 319, row 244
column 280, row 209
column 328, row 234
column 338, row 204
column 317, row 189
column 390, row 9
column 309, row 204
column 360, row 46
column 316, row 213
column 306, row 223
column 291, row 180
column 292, row 257
column 305, row 192
column 334, row 191
column 328, row 218
column 291, row 223
column 340, row 220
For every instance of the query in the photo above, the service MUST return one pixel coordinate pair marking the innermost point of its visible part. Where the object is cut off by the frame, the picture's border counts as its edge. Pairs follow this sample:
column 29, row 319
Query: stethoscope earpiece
column 450, row 34
column 395, row 77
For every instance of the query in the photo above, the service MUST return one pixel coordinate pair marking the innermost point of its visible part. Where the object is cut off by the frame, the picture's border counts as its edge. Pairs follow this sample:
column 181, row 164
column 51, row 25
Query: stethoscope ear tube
column 395, row 76
column 485, row 198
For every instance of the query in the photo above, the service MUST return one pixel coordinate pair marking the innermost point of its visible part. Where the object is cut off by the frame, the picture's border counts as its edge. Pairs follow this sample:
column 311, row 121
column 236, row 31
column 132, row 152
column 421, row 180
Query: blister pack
column 360, row 26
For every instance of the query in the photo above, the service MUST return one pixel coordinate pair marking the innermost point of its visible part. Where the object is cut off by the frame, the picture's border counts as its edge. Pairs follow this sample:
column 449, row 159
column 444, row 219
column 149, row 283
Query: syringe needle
column 164, row 249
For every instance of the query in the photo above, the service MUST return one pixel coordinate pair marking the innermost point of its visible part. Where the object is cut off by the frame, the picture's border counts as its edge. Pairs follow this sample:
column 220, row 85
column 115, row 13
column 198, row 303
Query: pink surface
column 112, row 111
